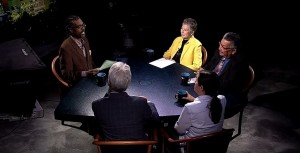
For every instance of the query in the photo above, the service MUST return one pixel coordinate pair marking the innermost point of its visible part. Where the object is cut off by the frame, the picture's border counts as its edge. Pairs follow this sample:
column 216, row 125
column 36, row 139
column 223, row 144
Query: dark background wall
column 269, row 31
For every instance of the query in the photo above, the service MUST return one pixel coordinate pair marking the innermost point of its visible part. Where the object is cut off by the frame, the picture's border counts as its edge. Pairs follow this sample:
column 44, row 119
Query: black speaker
column 20, row 68
column 17, row 98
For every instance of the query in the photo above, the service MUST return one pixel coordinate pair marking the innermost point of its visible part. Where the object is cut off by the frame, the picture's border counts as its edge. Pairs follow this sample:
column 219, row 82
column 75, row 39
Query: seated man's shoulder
column 98, row 101
column 139, row 98
column 65, row 41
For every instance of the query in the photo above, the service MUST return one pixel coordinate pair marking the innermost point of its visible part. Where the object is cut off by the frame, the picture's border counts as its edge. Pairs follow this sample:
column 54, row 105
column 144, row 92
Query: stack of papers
column 162, row 62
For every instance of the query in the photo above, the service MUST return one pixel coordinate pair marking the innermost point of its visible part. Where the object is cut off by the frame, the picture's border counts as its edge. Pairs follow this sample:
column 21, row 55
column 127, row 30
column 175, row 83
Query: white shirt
column 194, row 119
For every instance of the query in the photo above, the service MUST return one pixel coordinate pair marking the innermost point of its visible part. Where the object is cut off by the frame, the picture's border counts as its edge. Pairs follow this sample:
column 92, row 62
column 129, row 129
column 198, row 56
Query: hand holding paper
column 106, row 64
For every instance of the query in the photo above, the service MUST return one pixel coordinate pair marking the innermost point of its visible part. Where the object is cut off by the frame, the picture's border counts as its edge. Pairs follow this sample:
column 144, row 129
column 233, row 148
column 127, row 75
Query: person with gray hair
column 232, row 69
column 119, row 77
column 186, row 49
column 119, row 115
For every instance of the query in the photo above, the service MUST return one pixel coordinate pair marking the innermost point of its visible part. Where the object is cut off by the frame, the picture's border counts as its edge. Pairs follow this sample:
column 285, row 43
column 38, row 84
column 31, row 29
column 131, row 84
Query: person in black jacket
column 232, row 70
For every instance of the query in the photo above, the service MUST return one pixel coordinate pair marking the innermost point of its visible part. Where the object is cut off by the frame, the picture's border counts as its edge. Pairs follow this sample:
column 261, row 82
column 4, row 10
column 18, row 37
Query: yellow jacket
column 191, row 55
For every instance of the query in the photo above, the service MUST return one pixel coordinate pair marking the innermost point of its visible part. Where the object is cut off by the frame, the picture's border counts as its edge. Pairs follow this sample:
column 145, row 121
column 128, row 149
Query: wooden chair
column 63, row 85
column 54, row 66
column 204, row 55
column 123, row 146
column 251, row 80
column 240, row 108
column 214, row 142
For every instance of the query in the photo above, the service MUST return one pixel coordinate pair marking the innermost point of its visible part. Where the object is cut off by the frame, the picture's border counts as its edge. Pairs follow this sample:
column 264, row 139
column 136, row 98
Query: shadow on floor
column 284, row 102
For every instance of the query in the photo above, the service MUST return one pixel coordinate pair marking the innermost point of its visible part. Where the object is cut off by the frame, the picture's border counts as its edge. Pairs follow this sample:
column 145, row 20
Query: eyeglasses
column 79, row 26
column 225, row 48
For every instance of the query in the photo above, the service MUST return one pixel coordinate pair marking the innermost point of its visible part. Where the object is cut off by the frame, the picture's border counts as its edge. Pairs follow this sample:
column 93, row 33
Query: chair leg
column 163, row 145
column 240, row 124
column 240, row 121
column 149, row 149
column 188, row 147
column 99, row 149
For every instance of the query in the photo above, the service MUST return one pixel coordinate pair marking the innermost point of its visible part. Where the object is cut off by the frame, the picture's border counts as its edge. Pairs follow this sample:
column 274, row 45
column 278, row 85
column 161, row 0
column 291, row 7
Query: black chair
column 215, row 142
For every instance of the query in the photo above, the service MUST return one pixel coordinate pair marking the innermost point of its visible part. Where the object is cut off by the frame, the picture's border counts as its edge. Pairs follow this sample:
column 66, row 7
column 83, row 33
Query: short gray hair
column 234, row 38
column 191, row 22
column 119, row 77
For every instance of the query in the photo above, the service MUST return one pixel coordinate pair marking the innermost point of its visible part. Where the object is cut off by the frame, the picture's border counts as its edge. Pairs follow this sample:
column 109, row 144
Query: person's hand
column 92, row 72
column 198, row 71
column 166, row 57
column 189, row 97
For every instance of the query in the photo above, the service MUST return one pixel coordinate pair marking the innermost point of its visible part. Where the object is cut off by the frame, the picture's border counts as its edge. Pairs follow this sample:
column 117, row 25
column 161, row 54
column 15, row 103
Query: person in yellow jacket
column 186, row 49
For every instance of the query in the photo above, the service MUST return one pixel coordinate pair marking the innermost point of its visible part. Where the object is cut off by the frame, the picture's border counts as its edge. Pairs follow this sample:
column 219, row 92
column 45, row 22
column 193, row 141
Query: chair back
column 240, row 108
column 204, row 55
column 236, row 109
column 250, row 81
column 214, row 142
column 126, row 146
column 54, row 67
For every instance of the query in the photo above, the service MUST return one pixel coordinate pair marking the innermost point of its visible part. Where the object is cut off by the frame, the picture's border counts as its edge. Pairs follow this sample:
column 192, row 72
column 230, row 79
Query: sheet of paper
column 106, row 64
column 192, row 80
column 162, row 62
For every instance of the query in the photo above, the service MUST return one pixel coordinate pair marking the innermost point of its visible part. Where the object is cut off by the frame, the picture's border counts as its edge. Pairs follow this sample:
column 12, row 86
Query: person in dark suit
column 119, row 115
column 232, row 69
column 75, row 55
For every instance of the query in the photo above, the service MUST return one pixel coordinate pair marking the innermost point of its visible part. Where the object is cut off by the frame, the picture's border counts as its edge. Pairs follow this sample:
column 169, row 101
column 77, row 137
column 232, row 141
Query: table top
column 158, row 85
